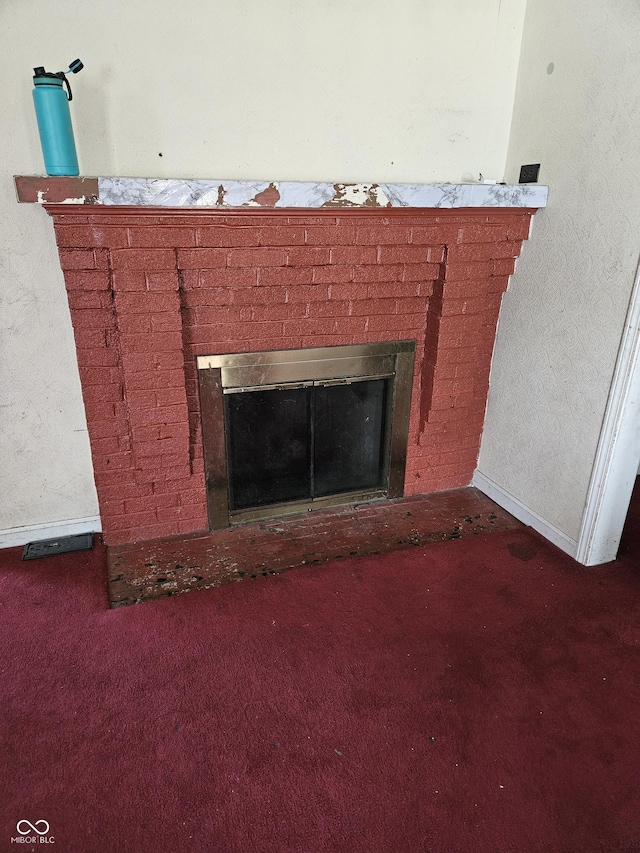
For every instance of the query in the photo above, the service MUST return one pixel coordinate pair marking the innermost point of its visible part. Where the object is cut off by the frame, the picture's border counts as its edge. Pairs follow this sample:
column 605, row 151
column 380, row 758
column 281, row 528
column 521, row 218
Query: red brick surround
column 151, row 288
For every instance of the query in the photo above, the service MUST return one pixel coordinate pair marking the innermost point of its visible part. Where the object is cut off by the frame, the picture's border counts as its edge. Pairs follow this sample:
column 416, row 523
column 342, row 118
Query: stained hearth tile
column 175, row 565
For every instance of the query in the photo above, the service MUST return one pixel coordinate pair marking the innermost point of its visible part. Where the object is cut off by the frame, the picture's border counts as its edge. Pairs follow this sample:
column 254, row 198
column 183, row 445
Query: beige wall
column 562, row 318
column 378, row 90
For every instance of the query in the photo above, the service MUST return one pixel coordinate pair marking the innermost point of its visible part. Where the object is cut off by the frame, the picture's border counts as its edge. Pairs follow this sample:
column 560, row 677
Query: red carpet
column 476, row 695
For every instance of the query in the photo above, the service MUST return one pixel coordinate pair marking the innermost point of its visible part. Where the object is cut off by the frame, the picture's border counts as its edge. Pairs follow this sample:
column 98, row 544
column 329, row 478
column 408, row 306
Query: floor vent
column 61, row 545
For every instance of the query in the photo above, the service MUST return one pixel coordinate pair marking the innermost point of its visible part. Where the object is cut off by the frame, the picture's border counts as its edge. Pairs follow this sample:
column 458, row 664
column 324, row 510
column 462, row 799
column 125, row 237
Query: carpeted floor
column 471, row 696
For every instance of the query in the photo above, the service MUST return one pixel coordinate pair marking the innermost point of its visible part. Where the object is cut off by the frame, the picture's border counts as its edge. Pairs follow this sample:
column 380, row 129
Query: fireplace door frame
column 280, row 369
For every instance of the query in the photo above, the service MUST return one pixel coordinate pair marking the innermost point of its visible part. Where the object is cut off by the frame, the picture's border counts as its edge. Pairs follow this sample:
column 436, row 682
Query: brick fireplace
column 151, row 288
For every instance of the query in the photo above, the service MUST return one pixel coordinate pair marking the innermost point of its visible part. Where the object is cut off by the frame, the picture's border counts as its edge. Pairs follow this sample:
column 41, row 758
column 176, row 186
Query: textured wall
column 576, row 112
column 361, row 89
column 45, row 465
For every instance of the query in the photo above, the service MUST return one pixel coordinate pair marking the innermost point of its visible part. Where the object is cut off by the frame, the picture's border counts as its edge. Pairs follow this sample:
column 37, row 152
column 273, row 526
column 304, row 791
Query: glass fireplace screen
column 291, row 444
column 291, row 431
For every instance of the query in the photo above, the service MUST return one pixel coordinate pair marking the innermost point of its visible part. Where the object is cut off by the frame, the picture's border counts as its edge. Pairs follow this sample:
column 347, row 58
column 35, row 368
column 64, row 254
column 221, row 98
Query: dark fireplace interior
column 304, row 429
column 291, row 443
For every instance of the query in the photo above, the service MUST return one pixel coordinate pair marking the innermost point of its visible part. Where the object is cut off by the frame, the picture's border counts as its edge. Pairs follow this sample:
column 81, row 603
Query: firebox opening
column 298, row 430
column 292, row 443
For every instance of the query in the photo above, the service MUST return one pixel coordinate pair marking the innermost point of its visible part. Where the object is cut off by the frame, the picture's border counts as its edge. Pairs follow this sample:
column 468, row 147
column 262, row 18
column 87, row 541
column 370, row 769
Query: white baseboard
column 524, row 514
column 15, row 536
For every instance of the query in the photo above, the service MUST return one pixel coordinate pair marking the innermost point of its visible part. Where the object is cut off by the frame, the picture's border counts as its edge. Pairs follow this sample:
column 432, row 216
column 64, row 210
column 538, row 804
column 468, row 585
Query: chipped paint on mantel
column 38, row 189
column 168, row 192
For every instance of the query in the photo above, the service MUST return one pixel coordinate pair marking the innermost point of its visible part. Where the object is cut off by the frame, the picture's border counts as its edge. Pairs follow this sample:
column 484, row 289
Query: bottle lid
column 50, row 77
column 56, row 78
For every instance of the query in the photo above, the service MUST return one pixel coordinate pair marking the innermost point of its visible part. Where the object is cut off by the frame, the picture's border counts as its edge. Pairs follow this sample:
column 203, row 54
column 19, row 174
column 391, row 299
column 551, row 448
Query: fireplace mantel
column 276, row 195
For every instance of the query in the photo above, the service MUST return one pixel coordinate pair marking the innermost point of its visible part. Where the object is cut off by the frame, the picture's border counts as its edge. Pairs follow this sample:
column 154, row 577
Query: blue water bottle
column 54, row 119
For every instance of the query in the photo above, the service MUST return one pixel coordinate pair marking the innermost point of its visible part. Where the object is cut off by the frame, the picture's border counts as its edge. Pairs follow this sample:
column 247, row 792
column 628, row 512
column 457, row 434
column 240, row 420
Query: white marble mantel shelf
column 169, row 192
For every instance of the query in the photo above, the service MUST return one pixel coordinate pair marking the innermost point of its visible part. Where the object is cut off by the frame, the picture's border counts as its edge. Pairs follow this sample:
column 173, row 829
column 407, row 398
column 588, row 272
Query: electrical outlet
column 529, row 174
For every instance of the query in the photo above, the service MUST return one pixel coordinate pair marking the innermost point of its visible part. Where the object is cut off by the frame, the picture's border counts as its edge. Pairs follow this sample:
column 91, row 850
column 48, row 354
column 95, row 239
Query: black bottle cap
column 53, row 75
